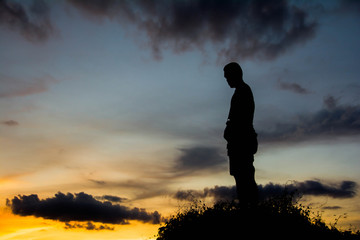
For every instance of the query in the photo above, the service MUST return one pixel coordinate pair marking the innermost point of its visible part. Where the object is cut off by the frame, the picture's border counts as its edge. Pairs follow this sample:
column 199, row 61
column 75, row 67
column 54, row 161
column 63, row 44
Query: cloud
column 150, row 185
column 79, row 207
column 219, row 193
column 349, row 6
column 107, row 8
column 262, row 29
column 331, row 121
column 331, row 207
column 88, row 226
column 32, row 20
column 342, row 190
column 16, row 87
column 293, row 87
column 199, row 158
column 111, row 198
column 98, row 182
column 10, row 123
column 330, row 102
column 237, row 29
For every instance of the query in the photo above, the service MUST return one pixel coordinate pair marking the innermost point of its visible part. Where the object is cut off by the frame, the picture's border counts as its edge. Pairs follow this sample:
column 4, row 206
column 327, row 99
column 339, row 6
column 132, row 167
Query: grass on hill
column 274, row 218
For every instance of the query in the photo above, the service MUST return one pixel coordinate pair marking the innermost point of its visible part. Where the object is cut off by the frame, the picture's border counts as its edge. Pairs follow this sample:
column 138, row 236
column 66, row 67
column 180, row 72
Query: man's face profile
column 230, row 78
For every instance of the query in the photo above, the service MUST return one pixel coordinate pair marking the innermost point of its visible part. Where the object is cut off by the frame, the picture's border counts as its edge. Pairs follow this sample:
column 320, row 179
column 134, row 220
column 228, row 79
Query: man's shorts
column 241, row 162
column 242, row 166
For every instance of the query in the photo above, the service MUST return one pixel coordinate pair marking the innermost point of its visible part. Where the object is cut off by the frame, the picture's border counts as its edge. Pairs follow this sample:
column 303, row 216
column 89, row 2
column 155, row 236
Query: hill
column 275, row 218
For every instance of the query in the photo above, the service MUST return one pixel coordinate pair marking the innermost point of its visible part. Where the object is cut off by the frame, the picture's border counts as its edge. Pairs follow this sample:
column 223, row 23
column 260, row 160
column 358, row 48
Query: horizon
column 122, row 105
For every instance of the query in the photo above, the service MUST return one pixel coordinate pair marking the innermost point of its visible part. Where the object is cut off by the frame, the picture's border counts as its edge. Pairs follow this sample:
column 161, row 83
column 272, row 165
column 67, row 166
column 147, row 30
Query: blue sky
column 122, row 97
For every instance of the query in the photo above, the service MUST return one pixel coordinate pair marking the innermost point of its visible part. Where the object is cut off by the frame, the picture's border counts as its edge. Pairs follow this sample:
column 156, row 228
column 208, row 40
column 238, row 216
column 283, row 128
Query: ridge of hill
column 277, row 217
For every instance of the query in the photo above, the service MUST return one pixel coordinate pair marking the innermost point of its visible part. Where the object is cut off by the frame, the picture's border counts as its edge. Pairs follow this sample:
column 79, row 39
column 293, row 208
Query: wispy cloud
column 157, row 180
column 21, row 234
column 199, row 158
column 293, row 87
column 10, row 123
column 333, row 120
column 16, row 87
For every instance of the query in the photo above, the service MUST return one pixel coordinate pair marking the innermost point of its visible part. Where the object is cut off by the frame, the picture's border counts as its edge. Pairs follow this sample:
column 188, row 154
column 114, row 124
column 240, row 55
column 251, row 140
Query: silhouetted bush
column 274, row 218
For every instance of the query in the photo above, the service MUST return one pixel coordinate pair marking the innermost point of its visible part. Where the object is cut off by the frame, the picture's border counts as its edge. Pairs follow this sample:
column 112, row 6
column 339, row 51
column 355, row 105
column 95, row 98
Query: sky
column 112, row 112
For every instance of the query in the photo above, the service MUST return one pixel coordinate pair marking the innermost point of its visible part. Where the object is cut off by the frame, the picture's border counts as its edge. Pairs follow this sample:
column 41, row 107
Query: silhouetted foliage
column 278, row 217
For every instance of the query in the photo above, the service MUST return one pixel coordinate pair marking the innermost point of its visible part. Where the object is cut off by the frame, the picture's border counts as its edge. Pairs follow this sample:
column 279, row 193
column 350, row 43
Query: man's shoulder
column 243, row 88
column 246, row 86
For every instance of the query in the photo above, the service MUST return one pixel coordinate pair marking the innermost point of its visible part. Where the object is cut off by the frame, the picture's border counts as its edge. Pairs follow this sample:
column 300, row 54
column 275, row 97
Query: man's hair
column 234, row 69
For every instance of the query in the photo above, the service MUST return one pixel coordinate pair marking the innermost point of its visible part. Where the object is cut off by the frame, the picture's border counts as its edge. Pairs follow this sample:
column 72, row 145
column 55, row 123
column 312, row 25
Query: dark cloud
column 344, row 189
column 199, row 158
column 88, row 226
column 111, row 198
column 332, row 121
column 189, row 194
column 243, row 29
column 10, row 123
column 219, row 193
column 237, row 29
column 331, row 207
column 113, row 9
column 29, row 18
column 293, row 87
column 79, row 207
column 330, row 102
column 349, row 6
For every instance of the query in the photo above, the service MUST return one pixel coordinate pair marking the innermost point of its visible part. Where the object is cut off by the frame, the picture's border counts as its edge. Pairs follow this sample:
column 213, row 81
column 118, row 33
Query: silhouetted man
column 240, row 135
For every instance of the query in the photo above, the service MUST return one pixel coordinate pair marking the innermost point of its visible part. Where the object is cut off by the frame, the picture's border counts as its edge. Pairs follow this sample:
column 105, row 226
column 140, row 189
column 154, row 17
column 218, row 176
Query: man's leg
column 239, row 184
column 246, row 187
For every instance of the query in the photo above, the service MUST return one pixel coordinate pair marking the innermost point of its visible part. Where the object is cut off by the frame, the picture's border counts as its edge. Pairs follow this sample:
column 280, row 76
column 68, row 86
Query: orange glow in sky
column 121, row 106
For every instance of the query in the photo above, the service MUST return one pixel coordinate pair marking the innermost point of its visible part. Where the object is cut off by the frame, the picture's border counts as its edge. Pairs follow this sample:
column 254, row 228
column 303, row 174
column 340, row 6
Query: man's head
column 233, row 74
